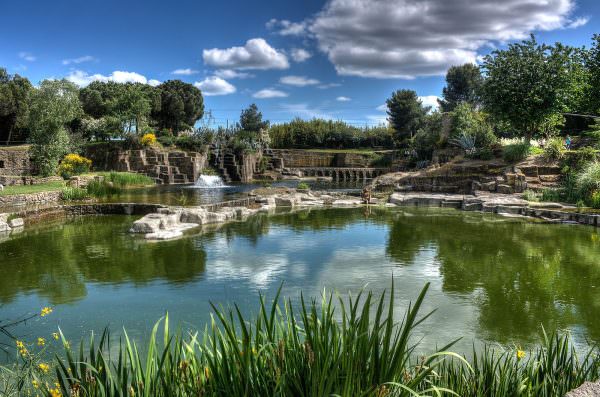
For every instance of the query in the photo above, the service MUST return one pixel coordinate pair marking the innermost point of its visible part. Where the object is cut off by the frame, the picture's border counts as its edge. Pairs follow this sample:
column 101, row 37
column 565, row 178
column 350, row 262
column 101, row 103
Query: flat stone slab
column 588, row 389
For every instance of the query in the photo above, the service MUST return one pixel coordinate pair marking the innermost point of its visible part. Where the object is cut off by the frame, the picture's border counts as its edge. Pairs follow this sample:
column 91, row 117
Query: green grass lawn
column 26, row 189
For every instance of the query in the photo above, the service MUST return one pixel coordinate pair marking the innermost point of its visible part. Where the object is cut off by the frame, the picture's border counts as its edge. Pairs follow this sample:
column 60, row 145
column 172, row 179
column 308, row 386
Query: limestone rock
column 16, row 222
column 505, row 189
column 148, row 224
column 588, row 389
column 287, row 201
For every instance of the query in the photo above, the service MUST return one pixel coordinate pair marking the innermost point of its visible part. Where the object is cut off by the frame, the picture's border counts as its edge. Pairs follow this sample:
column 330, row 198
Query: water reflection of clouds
column 349, row 270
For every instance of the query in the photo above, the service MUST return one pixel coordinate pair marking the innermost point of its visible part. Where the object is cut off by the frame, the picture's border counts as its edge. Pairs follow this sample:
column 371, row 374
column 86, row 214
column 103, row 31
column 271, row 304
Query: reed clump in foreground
column 354, row 348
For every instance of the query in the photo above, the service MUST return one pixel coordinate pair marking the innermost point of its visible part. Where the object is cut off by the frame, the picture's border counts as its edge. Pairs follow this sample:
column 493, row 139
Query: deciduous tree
column 54, row 105
column 527, row 84
column 14, row 106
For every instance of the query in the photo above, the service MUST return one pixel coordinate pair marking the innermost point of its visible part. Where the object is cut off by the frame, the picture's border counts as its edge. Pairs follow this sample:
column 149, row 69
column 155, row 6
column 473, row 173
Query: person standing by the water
column 366, row 195
column 568, row 142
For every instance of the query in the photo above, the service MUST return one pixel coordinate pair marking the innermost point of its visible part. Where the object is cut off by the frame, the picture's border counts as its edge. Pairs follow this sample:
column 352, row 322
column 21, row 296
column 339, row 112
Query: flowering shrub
column 73, row 164
column 148, row 139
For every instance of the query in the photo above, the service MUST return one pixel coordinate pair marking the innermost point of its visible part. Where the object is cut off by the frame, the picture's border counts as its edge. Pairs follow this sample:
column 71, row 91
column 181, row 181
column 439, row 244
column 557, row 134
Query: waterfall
column 210, row 182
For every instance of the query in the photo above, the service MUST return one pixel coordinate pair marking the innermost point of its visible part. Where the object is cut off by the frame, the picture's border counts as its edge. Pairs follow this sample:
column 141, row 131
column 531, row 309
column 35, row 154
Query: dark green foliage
column 53, row 106
column 551, row 370
column 430, row 136
column 319, row 133
column 406, row 114
column 113, row 183
column 251, row 120
column 114, row 109
column 468, row 121
column 15, row 93
column 73, row 194
column 348, row 347
column 526, row 84
column 555, row 149
column 463, row 85
column 516, row 152
column 181, row 105
column 580, row 158
column 592, row 63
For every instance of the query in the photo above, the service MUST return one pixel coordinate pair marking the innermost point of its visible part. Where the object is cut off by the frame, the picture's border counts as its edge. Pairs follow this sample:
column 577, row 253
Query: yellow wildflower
column 148, row 139
column 55, row 392
column 46, row 311
column 35, row 383
column 44, row 367
column 206, row 372
column 41, row 341
column 520, row 354
column 55, row 335
column 23, row 351
column 20, row 344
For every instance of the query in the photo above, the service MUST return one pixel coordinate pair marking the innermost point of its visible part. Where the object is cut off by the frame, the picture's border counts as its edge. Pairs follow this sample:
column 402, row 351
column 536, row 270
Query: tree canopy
column 463, row 85
column 181, row 106
column 54, row 105
column 526, row 84
column 14, row 106
column 406, row 113
column 251, row 119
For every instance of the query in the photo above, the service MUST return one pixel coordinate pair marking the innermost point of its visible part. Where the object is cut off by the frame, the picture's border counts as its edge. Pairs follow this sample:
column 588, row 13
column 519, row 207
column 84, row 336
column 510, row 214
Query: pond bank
column 166, row 222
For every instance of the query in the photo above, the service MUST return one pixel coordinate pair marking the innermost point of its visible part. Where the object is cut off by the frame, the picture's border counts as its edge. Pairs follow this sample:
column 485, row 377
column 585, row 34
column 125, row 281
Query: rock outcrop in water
column 172, row 222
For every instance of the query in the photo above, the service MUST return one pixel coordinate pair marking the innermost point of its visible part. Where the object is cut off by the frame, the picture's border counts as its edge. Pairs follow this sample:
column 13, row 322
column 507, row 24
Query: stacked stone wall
column 15, row 161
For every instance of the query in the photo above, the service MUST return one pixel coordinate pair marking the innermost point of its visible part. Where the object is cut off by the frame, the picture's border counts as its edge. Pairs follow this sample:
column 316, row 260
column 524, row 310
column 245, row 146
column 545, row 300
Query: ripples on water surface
column 493, row 278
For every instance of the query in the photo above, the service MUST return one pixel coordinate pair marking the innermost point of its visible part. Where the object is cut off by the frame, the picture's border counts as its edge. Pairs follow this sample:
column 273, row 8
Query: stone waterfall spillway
column 209, row 182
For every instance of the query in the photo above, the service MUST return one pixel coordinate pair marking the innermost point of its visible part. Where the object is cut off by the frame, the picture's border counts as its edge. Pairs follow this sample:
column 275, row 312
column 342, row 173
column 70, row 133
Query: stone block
column 16, row 222
column 505, row 189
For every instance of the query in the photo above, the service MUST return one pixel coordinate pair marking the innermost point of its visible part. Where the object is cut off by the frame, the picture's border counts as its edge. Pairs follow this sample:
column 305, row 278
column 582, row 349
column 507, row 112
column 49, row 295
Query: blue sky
column 337, row 59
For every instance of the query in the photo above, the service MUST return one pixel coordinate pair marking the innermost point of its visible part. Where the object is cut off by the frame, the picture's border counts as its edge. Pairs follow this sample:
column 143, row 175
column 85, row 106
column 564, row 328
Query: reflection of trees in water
column 521, row 274
column 529, row 274
column 58, row 263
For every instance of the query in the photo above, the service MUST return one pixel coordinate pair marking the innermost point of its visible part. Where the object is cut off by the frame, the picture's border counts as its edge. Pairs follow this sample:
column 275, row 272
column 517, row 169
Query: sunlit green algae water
column 492, row 279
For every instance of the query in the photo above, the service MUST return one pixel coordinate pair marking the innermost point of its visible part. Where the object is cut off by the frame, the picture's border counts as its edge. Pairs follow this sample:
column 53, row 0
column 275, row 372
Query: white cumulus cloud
column 232, row 74
column 76, row 61
column 213, row 86
column 407, row 38
column 268, row 93
column 343, row 99
column 430, row 100
column 284, row 27
column 184, row 72
column 255, row 54
column 300, row 54
column 298, row 81
column 82, row 78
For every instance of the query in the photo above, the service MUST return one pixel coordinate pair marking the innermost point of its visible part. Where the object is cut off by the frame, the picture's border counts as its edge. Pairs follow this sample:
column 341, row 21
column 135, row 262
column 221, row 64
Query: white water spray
column 210, row 182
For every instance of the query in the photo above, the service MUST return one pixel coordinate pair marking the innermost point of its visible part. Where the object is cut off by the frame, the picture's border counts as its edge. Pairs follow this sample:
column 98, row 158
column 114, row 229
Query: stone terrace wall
column 29, row 199
column 14, row 161
column 165, row 166
column 299, row 158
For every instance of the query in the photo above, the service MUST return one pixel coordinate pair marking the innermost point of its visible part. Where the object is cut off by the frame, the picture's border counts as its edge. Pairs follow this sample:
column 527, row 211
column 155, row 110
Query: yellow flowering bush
column 148, row 139
column 73, row 164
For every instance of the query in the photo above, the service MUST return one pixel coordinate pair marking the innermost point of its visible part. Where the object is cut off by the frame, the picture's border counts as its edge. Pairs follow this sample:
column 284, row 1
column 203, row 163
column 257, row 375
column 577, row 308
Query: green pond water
column 492, row 279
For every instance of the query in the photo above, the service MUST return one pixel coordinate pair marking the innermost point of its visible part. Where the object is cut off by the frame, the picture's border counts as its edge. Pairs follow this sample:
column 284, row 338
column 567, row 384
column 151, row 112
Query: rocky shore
column 171, row 222
column 160, row 222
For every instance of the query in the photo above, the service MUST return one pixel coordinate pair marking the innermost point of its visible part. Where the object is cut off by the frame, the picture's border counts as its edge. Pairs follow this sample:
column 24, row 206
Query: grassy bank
column 351, row 347
column 113, row 183
column 29, row 189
